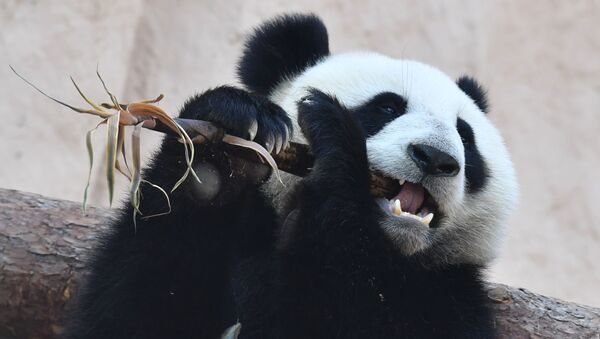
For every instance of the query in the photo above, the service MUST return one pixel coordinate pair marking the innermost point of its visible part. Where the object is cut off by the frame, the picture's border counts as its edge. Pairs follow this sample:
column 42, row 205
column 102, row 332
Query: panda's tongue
column 411, row 197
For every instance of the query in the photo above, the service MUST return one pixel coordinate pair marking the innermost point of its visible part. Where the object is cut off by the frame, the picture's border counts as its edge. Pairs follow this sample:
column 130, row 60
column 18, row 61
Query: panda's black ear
column 282, row 48
column 472, row 88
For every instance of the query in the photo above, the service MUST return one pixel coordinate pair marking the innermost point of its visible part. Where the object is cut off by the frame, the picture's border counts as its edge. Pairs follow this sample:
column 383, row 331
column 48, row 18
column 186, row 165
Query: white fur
column 474, row 224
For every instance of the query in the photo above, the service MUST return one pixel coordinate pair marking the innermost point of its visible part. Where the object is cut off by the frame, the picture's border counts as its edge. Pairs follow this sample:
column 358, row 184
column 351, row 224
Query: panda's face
column 456, row 184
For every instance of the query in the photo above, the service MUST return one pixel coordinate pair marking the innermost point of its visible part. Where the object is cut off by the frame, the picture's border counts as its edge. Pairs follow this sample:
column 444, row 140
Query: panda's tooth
column 401, row 181
column 427, row 219
column 397, row 207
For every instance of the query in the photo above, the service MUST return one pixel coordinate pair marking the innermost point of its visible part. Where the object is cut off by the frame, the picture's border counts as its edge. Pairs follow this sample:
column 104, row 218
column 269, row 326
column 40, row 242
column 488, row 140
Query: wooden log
column 44, row 243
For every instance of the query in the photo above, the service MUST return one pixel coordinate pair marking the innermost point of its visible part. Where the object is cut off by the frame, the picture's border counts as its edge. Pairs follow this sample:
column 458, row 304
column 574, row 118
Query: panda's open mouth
column 413, row 201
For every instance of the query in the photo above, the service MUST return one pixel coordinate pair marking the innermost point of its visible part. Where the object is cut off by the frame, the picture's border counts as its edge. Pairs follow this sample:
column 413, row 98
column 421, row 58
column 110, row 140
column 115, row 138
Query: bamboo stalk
column 295, row 159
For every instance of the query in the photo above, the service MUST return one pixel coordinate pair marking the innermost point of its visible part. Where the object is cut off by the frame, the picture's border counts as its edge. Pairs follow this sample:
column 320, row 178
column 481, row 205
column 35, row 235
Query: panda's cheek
column 448, row 193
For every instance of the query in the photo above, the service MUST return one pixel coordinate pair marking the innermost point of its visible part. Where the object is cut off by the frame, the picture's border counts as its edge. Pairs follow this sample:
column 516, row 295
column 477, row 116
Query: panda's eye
column 465, row 131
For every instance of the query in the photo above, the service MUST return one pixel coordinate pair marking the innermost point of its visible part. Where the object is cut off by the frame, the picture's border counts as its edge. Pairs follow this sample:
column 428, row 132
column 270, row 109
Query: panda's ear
column 472, row 88
column 282, row 48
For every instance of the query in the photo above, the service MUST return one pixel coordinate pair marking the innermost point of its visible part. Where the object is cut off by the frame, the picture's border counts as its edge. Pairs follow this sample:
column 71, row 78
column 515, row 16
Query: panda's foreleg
column 326, row 247
column 334, row 199
column 168, row 276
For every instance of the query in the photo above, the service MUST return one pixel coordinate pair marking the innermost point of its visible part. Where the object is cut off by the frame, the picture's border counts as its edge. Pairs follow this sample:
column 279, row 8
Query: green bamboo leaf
column 90, row 150
column 111, row 153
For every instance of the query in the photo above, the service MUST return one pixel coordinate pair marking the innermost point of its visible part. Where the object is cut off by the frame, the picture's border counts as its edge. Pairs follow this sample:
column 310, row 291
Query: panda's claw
column 288, row 136
column 307, row 100
column 278, row 144
column 285, row 146
column 253, row 130
column 269, row 142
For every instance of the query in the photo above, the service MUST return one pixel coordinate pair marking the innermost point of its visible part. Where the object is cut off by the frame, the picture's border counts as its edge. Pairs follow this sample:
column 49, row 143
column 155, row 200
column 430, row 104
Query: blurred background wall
column 540, row 61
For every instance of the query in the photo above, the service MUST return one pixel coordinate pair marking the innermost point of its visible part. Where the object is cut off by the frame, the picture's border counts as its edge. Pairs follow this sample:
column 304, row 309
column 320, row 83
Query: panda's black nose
column 432, row 161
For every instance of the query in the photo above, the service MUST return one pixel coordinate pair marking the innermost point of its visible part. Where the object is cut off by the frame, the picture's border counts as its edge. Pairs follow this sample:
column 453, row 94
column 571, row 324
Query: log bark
column 44, row 243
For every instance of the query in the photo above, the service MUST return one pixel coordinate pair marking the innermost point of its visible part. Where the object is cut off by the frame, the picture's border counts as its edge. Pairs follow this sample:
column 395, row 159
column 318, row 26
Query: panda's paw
column 243, row 114
column 328, row 126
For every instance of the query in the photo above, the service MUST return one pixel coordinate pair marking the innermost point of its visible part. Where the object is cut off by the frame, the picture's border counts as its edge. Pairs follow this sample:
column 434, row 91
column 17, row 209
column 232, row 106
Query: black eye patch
column 379, row 111
column 476, row 171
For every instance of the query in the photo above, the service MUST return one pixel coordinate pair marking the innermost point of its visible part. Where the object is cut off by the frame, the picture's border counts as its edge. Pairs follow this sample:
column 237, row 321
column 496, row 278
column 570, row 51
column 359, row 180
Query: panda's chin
column 407, row 234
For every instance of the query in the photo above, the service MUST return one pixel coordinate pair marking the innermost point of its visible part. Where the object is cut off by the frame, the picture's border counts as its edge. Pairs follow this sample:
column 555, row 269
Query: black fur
column 236, row 110
column 341, row 275
column 328, row 272
column 472, row 88
column 476, row 171
column 280, row 48
column 380, row 111
column 170, row 277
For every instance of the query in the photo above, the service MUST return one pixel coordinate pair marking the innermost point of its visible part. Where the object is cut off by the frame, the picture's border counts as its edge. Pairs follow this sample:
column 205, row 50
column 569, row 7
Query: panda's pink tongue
column 411, row 197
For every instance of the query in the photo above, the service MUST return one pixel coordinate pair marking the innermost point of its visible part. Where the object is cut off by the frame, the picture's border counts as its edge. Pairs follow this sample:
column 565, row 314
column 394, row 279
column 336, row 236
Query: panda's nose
column 432, row 161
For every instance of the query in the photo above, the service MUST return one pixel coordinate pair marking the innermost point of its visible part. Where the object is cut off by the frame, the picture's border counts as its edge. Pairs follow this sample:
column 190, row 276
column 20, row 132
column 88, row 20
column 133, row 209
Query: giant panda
column 318, row 256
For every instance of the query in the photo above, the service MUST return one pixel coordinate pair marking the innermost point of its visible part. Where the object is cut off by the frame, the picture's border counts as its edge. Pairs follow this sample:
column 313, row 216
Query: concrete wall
column 540, row 61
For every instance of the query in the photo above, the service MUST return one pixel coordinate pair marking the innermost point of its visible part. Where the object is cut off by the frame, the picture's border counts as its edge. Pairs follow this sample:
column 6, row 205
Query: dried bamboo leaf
column 152, row 111
column 101, row 114
column 126, row 117
column 136, row 196
column 124, row 154
column 189, row 155
column 153, row 101
column 233, row 140
column 166, row 197
column 90, row 150
column 88, row 100
column 137, row 169
column 111, row 153
column 124, row 106
column 112, row 106
column 141, row 109
column 110, row 95
column 121, row 150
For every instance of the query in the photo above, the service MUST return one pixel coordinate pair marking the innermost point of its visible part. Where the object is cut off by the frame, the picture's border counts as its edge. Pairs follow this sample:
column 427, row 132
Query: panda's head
column 423, row 129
